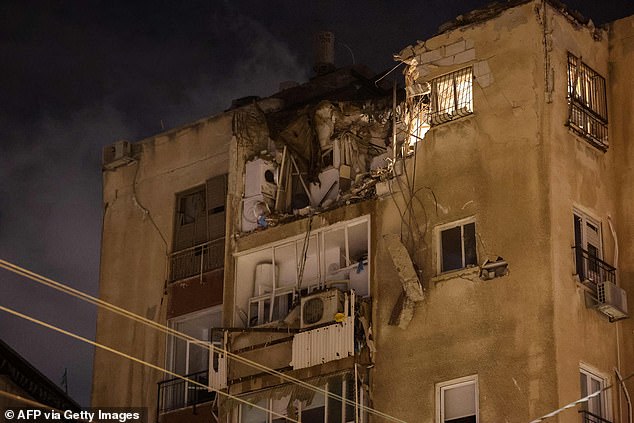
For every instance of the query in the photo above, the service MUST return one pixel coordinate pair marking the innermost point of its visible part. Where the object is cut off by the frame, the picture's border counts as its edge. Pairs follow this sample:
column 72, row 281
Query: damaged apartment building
column 342, row 251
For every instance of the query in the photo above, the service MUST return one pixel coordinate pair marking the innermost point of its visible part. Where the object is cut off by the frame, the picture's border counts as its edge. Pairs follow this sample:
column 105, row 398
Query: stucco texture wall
column 134, row 252
column 493, row 166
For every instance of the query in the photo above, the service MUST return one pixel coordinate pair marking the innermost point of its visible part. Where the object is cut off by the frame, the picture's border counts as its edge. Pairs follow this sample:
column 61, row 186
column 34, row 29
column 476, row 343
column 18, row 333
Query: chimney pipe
column 324, row 48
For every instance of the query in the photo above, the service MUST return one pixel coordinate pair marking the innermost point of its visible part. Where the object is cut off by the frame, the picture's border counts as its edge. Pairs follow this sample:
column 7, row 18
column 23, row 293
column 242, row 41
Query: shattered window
column 451, row 96
column 457, row 400
column 314, row 408
column 270, row 277
column 587, row 102
column 457, row 246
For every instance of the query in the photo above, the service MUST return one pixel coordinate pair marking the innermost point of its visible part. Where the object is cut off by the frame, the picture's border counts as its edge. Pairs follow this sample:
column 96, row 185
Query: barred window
column 587, row 102
column 451, row 96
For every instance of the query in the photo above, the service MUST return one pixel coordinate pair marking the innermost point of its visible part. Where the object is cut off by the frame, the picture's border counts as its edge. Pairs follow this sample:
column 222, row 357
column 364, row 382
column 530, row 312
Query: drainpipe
column 616, row 326
column 627, row 396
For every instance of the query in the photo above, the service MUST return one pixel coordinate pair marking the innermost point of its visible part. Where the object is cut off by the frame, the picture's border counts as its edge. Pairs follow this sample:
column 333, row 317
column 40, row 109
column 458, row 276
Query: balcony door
column 588, row 238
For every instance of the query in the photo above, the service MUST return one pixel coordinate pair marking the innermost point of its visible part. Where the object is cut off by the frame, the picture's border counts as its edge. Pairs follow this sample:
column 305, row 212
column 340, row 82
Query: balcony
column 588, row 417
column 176, row 393
column 592, row 270
column 327, row 329
column 197, row 260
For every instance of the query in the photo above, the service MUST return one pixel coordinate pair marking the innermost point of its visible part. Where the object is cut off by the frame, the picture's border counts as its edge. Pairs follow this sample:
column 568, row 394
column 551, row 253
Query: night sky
column 78, row 75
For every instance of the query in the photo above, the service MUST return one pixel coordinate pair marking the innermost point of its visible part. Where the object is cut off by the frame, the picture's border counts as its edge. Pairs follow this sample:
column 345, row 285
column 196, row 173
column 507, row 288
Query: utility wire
column 169, row 331
column 137, row 360
column 579, row 401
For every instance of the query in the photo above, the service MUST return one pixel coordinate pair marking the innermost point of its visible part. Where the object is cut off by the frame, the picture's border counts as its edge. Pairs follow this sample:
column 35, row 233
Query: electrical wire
column 579, row 401
column 169, row 331
column 137, row 360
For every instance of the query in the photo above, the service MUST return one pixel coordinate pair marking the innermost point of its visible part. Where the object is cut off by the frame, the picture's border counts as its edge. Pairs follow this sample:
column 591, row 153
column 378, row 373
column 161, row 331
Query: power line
column 579, row 401
column 169, row 331
column 137, row 360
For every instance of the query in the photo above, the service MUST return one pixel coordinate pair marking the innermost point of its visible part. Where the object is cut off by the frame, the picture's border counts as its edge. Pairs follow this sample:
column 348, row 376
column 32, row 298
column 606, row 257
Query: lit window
column 587, row 101
column 451, row 96
column 596, row 406
column 457, row 400
column 457, row 245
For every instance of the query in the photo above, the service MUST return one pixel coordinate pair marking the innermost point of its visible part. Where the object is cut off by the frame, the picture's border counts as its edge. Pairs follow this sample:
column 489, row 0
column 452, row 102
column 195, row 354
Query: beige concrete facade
column 508, row 165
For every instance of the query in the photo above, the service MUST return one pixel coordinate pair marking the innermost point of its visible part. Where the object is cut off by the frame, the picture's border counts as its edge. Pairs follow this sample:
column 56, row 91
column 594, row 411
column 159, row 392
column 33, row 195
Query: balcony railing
column 197, row 260
column 177, row 393
column 588, row 417
column 592, row 269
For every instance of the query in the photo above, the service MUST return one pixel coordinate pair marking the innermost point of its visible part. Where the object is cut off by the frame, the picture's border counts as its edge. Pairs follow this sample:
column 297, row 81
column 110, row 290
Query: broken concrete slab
column 403, row 264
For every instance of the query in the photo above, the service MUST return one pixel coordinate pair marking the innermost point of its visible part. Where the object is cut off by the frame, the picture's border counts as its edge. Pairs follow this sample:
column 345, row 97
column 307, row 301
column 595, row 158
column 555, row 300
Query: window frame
column 591, row 374
column 439, row 248
column 346, row 384
column 456, row 383
column 316, row 275
column 170, row 359
column 458, row 107
column 587, row 102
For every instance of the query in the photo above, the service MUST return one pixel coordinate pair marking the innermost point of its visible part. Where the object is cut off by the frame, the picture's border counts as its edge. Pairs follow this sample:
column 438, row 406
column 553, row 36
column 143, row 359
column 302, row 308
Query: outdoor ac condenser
column 321, row 308
column 612, row 300
column 117, row 154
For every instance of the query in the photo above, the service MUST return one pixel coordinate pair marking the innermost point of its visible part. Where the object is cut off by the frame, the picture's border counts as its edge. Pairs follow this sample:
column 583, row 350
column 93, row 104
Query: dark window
column 587, row 102
column 458, row 247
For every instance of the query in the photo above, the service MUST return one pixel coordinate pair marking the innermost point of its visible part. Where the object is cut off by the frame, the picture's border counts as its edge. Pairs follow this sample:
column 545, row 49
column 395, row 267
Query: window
column 587, row 102
column 199, row 229
column 190, row 358
column 596, row 406
column 186, row 357
column 457, row 400
column 451, row 96
column 457, row 245
column 316, row 410
column 588, row 249
column 271, row 277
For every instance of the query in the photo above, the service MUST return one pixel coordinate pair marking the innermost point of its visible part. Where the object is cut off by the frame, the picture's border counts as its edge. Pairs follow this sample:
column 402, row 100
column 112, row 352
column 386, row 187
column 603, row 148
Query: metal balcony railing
column 592, row 269
column 197, row 260
column 176, row 393
column 588, row 417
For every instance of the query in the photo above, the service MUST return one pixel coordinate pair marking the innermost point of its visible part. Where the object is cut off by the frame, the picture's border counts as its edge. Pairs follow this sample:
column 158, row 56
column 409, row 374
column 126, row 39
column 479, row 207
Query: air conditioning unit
column 612, row 301
column 260, row 178
column 117, row 154
column 321, row 308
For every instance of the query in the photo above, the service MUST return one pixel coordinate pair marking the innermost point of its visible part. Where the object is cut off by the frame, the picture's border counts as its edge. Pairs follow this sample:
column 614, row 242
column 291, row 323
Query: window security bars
column 592, row 269
column 197, row 260
column 587, row 101
column 588, row 417
column 452, row 96
column 176, row 393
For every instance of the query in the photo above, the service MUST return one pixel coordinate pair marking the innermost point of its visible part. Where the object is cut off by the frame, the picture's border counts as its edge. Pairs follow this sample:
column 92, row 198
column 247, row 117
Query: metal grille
column 588, row 417
column 197, row 260
column 588, row 110
column 591, row 269
column 452, row 96
column 177, row 393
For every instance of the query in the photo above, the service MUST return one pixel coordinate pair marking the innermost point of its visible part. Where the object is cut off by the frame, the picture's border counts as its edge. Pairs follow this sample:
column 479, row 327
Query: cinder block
column 445, row 61
column 465, row 56
column 455, row 48
column 430, row 56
